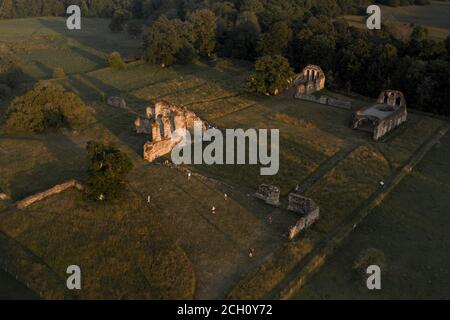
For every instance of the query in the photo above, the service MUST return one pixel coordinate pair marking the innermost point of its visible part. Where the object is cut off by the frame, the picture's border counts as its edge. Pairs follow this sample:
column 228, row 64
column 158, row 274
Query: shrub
column 46, row 106
column 108, row 168
column 103, row 96
column 58, row 73
column 115, row 61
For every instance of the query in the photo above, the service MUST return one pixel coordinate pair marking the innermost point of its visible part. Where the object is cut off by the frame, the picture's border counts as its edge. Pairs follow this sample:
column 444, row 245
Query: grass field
column 401, row 19
column 175, row 247
column 45, row 43
column 418, row 272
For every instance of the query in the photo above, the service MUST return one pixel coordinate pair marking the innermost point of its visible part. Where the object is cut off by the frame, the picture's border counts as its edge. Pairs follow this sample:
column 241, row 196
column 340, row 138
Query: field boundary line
column 319, row 256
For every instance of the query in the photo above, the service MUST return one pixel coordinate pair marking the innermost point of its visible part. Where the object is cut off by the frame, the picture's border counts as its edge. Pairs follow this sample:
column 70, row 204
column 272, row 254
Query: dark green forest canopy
column 304, row 31
column 267, row 10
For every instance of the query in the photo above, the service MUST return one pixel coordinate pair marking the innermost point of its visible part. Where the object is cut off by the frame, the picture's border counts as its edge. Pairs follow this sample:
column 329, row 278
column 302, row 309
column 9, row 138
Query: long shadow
column 100, row 61
column 120, row 121
column 12, row 289
column 87, row 37
column 68, row 164
column 48, row 72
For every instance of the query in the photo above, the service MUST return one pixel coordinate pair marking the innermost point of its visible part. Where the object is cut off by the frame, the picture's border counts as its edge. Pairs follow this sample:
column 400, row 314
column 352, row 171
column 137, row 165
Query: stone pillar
column 150, row 112
column 166, row 126
column 179, row 120
column 156, row 131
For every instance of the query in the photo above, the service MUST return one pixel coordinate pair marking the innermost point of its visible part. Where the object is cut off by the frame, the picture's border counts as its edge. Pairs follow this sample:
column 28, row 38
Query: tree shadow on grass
column 69, row 163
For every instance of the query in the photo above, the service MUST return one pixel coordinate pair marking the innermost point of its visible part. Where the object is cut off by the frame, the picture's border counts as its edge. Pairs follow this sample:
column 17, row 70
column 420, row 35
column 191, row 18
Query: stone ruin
column 306, row 84
column 117, row 102
column 388, row 113
column 3, row 196
column 24, row 203
column 160, row 122
column 307, row 208
column 309, row 81
column 270, row 194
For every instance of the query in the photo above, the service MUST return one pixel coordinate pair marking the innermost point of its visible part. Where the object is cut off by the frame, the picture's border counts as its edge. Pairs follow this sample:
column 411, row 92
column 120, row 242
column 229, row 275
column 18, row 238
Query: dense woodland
column 305, row 32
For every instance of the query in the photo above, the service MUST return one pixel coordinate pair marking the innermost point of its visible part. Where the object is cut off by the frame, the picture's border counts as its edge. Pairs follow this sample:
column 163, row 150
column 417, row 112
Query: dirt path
column 327, row 166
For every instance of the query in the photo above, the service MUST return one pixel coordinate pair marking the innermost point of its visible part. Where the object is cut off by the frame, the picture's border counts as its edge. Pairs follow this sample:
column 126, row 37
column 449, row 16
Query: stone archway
column 365, row 124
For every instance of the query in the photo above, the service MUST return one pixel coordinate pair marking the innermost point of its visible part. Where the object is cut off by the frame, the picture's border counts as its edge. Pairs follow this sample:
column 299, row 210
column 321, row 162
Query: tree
column 162, row 42
column 47, row 106
column 272, row 75
column 115, row 61
column 186, row 52
column 277, row 39
column 204, row 25
column 245, row 37
column 134, row 28
column 107, row 171
column 118, row 20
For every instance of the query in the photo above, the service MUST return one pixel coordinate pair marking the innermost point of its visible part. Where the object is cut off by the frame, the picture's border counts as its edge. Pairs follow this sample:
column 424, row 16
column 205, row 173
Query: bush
column 58, row 73
column 115, row 61
column 108, row 168
column 46, row 106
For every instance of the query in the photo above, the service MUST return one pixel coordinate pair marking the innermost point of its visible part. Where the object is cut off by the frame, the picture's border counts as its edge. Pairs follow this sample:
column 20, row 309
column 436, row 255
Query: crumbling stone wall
column 306, row 207
column 310, row 80
column 388, row 113
column 270, row 194
column 143, row 125
column 161, row 121
column 3, row 196
column 117, row 102
column 47, row 193
column 323, row 99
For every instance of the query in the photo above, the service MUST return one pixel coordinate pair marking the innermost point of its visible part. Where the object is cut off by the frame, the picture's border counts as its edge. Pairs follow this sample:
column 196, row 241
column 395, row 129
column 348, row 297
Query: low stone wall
column 306, row 207
column 270, row 194
column 117, row 102
column 339, row 103
column 154, row 150
column 22, row 204
column 304, row 223
column 322, row 99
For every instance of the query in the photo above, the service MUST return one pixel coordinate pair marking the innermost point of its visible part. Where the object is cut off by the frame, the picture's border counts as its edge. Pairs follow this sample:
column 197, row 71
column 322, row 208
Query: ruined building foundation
column 160, row 122
column 388, row 113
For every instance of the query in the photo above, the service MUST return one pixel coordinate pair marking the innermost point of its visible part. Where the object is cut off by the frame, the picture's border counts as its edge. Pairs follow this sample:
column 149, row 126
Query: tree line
column 304, row 32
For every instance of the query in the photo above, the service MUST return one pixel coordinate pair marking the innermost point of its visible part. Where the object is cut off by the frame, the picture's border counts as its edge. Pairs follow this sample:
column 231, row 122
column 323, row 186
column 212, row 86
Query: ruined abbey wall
column 160, row 122
column 388, row 113
column 47, row 193
column 310, row 80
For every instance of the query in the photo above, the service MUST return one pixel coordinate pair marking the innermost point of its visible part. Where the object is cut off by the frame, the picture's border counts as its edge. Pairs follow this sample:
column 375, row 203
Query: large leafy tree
column 245, row 37
column 272, row 75
column 162, row 42
column 204, row 25
column 107, row 172
column 277, row 39
column 47, row 106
